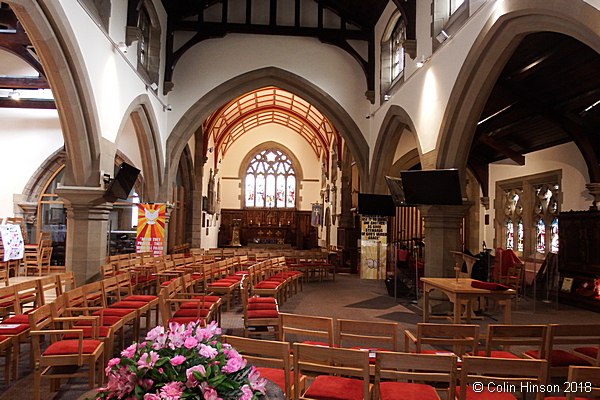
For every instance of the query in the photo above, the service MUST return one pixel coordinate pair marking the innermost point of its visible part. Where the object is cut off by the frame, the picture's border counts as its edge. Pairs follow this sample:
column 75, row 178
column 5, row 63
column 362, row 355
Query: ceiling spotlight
column 442, row 36
column 122, row 46
column 14, row 95
column 422, row 61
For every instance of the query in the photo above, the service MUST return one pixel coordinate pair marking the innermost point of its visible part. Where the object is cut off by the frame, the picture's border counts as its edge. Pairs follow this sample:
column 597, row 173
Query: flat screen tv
column 120, row 187
column 376, row 204
column 431, row 187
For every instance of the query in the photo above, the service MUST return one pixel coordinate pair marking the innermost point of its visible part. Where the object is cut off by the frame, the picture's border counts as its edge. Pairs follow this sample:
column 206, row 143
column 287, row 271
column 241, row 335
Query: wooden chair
column 514, row 279
column 583, row 381
column 305, row 327
column 7, row 348
column 499, row 338
column 462, row 338
column 271, row 358
column 62, row 358
column 4, row 276
column 37, row 262
column 261, row 314
column 512, row 375
column 567, row 335
column 66, row 281
column 400, row 376
column 170, row 305
column 336, row 370
column 367, row 336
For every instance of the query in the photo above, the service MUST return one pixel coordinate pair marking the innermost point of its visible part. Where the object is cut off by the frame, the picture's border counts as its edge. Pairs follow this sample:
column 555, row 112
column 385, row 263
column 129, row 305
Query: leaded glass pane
column 249, row 190
column 270, row 191
column 260, row 191
column 290, row 197
column 280, row 192
column 509, row 234
column 540, row 236
column 554, row 236
column 520, row 235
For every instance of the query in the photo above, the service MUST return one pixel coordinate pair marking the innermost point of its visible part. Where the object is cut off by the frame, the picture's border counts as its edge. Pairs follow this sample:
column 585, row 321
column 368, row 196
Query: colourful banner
column 315, row 217
column 373, row 247
column 151, row 228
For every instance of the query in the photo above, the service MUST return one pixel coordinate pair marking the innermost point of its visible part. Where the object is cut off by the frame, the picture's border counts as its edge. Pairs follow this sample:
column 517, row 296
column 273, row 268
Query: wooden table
column 459, row 292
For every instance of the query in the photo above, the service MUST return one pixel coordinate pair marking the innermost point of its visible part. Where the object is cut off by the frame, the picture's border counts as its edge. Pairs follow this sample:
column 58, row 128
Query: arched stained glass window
column 513, row 210
column 554, row 236
column 520, row 235
column 510, row 237
column 270, row 181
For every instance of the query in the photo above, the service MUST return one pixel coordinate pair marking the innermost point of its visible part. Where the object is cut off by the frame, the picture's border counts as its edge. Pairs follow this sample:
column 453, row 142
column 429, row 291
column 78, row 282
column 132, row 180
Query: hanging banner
column 151, row 228
column 373, row 246
column 315, row 217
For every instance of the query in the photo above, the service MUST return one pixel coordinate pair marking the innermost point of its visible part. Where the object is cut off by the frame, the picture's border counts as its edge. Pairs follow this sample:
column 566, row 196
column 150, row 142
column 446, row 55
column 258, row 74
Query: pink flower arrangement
column 181, row 362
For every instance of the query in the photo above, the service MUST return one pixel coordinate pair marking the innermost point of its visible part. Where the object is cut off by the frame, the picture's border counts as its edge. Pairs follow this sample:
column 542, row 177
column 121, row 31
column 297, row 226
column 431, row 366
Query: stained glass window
column 510, row 239
column 520, row 235
column 554, row 236
column 270, row 181
column 540, row 244
column 397, row 50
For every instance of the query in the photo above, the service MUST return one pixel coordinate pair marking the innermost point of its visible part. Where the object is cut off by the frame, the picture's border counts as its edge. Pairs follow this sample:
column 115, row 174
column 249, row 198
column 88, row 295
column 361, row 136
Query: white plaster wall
column 212, row 62
column 308, row 189
column 565, row 157
column 406, row 143
column 28, row 137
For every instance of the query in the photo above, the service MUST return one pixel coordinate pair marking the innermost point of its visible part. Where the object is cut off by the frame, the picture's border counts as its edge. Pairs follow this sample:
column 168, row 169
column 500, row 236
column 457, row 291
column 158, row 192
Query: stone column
column 442, row 235
column 87, row 230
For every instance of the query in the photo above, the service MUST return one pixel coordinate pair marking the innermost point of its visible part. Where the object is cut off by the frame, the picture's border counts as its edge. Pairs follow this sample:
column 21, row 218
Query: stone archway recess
column 270, row 76
column 394, row 124
column 56, row 47
column 493, row 47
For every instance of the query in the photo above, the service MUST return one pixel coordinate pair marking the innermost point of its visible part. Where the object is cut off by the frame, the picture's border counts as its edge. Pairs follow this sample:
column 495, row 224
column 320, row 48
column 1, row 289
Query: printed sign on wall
column 151, row 228
column 373, row 246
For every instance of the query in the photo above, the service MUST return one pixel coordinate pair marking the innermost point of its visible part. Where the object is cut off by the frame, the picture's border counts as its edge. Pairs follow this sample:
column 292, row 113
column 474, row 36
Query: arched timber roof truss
column 270, row 105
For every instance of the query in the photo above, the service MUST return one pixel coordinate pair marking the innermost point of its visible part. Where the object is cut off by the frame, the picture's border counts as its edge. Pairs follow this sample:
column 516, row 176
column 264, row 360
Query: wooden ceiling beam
column 24, row 82
column 507, row 151
column 27, row 103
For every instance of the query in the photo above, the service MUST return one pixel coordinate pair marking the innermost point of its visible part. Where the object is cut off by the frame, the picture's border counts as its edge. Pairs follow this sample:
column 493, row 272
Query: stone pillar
column 442, row 235
column 87, row 230
column 594, row 189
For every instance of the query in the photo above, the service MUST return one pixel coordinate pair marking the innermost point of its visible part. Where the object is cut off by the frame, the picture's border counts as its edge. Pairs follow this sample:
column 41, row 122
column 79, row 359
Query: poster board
column 151, row 228
column 373, row 246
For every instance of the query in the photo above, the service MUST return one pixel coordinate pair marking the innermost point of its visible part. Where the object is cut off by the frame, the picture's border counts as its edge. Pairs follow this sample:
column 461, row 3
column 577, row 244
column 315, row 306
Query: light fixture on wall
column 386, row 97
column 442, row 36
column 210, row 149
column 422, row 61
column 14, row 95
column 122, row 47
column 153, row 86
column 168, row 107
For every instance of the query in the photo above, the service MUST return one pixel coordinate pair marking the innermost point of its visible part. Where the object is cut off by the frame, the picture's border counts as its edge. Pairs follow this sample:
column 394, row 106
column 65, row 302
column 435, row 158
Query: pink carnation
column 151, row 396
column 177, row 360
column 208, row 351
column 234, row 364
column 190, row 342
column 191, row 380
column 209, row 393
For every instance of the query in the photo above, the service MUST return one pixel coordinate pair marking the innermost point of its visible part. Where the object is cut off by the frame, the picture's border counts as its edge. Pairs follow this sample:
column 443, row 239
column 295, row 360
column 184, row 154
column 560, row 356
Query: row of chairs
column 308, row 371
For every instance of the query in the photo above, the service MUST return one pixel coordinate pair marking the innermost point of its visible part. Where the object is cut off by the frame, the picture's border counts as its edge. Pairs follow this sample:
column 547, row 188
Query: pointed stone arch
column 270, row 76
column 56, row 47
column 395, row 123
column 144, row 122
column 496, row 42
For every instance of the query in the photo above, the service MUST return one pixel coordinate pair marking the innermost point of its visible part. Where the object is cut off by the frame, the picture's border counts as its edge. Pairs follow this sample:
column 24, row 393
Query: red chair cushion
column 118, row 312
column 407, row 391
column 263, row 313
column 498, row 354
column 16, row 319
column 128, row 304
column 276, row 376
column 141, row 297
column 588, row 351
column 326, row 387
column 191, row 312
column 486, row 394
column 267, row 285
column 261, row 306
column 103, row 331
column 561, row 358
column 262, row 300
column 70, row 347
column 13, row 329
column 106, row 320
